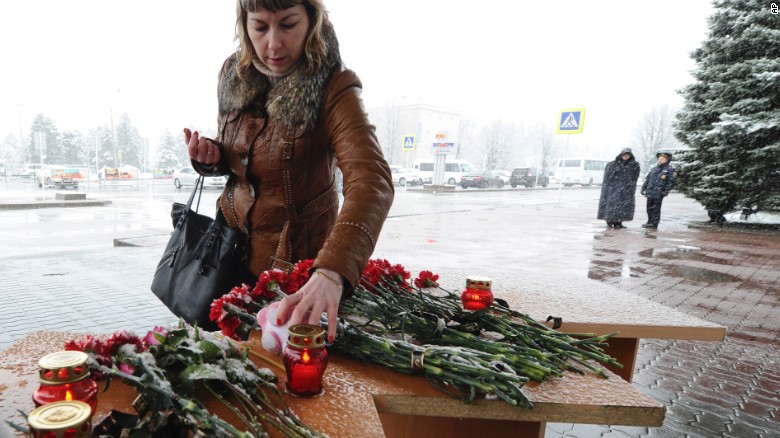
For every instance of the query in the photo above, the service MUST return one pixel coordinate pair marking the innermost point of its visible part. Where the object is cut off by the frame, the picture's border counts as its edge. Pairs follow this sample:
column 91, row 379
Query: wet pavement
column 728, row 276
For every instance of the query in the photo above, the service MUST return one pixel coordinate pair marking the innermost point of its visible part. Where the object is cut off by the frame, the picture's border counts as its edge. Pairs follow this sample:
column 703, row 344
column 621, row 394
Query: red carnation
column 270, row 283
column 120, row 338
column 426, row 279
column 229, row 325
column 299, row 275
column 380, row 271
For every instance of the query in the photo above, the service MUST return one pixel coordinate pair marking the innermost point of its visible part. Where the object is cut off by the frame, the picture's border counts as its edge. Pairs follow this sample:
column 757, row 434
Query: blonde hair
column 315, row 49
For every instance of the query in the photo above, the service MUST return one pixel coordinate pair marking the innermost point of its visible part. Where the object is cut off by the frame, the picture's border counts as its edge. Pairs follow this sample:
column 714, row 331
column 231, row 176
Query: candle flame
column 68, row 395
column 306, row 357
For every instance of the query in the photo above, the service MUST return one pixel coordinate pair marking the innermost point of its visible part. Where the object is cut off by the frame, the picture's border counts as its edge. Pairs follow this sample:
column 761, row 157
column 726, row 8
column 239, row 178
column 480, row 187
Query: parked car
column 551, row 178
column 403, row 176
column 482, row 180
column 505, row 175
column 453, row 170
column 186, row 176
column 30, row 170
column 61, row 176
column 527, row 177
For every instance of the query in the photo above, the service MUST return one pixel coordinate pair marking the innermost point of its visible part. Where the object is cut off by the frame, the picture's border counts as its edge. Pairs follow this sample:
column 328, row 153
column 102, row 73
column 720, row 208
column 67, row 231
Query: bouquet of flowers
column 416, row 327
column 170, row 367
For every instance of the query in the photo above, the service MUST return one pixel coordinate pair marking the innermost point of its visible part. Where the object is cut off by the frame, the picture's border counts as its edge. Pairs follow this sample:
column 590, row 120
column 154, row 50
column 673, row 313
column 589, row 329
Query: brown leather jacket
column 281, row 186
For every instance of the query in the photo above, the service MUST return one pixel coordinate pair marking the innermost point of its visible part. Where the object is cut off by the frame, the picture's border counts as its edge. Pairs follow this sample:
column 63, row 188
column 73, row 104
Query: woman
column 618, row 190
column 288, row 113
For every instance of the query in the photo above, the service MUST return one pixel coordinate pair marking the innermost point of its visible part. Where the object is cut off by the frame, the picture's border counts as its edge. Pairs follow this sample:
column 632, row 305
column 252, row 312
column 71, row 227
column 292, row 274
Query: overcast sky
column 82, row 62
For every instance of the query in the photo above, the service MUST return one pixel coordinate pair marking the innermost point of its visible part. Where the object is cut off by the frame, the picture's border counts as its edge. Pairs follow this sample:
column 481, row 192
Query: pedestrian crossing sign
column 408, row 143
column 571, row 121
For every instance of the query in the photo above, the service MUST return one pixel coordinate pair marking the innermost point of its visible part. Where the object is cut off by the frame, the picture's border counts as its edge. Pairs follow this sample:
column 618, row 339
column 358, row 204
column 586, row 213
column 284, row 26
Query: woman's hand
column 321, row 293
column 201, row 149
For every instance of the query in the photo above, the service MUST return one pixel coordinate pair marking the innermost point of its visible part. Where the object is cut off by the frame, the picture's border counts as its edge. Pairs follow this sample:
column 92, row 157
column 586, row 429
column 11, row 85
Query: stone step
column 70, row 196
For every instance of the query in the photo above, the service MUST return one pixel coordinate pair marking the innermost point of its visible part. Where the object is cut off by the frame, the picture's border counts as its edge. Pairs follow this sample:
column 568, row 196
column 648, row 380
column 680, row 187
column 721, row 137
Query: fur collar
column 295, row 99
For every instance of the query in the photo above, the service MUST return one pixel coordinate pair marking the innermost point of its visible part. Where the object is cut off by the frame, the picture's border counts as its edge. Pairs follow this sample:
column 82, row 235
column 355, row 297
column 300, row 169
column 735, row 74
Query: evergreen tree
column 731, row 116
column 10, row 151
column 172, row 152
column 128, row 142
column 75, row 148
column 102, row 141
column 52, row 149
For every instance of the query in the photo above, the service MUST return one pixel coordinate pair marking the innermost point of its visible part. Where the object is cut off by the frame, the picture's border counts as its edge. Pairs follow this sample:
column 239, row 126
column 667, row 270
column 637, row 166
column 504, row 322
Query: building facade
column 428, row 124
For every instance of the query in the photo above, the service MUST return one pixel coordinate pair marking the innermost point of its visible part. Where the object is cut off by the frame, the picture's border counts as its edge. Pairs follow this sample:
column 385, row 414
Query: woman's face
column 278, row 37
column 626, row 156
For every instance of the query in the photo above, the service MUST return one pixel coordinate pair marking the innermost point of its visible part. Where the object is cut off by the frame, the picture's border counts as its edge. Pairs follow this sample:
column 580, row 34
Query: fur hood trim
column 295, row 99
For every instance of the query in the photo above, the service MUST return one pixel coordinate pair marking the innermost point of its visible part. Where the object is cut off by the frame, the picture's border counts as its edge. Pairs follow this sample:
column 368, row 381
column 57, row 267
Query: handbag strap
column 183, row 216
column 197, row 189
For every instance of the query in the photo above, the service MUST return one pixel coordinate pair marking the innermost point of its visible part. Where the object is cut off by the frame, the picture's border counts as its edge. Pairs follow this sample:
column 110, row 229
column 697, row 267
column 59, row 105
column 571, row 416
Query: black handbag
column 202, row 262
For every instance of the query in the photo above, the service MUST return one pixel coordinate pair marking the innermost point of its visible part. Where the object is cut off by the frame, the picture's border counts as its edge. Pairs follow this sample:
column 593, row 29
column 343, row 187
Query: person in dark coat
column 619, row 190
column 658, row 183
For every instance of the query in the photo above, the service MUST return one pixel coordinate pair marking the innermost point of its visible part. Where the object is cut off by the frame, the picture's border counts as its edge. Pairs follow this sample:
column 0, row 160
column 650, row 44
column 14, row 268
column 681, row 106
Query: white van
column 453, row 170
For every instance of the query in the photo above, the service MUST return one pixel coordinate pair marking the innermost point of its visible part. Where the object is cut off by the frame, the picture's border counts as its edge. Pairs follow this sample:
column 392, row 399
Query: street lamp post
column 40, row 139
column 97, row 164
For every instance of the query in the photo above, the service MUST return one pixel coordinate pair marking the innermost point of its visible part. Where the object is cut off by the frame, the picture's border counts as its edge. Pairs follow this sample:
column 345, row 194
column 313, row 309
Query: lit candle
column 305, row 359
column 64, row 376
column 478, row 294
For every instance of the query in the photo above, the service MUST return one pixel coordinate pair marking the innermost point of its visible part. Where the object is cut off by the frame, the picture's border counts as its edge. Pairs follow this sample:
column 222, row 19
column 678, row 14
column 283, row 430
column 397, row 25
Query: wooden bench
column 373, row 401
column 587, row 306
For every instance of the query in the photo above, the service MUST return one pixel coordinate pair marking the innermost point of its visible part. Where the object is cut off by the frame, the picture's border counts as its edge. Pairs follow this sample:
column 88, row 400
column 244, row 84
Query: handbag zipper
column 173, row 256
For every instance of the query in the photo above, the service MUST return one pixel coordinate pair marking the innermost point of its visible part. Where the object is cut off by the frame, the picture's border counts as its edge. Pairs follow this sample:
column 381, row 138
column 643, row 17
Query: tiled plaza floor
column 728, row 276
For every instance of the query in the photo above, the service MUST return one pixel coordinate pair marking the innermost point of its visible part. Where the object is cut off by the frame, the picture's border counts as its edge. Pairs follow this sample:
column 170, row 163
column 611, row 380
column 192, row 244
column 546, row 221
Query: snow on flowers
column 229, row 311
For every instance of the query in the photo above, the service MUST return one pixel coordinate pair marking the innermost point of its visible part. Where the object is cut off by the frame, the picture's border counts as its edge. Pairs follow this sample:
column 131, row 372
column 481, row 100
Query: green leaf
column 176, row 337
column 204, row 371
column 210, row 351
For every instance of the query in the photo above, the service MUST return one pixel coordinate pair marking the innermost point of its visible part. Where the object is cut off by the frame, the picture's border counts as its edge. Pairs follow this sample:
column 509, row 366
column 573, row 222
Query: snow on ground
column 762, row 217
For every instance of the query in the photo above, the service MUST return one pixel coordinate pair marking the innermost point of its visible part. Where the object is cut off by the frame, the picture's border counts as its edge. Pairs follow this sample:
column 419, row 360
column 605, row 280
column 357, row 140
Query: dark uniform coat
column 660, row 181
column 619, row 189
column 280, row 141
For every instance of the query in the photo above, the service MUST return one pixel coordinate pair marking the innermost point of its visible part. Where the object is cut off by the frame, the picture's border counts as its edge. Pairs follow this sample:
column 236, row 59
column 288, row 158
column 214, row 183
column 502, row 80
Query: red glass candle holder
column 305, row 359
column 64, row 376
column 63, row 419
column 478, row 294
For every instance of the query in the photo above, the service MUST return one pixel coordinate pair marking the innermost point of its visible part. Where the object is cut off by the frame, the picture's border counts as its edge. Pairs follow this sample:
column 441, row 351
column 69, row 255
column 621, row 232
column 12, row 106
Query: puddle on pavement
column 684, row 252
column 604, row 269
column 608, row 263
column 700, row 274
column 692, row 253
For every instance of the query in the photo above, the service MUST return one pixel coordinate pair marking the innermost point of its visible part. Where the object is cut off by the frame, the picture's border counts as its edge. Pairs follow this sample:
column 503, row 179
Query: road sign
column 409, row 143
column 571, row 121
column 443, row 148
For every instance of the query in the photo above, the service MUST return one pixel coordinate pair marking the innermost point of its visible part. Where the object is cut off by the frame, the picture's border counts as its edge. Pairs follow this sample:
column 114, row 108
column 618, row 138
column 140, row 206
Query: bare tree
column 544, row 137
column 466, row 144
column 392, row 132
column 497, row 136
column 654, row 131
